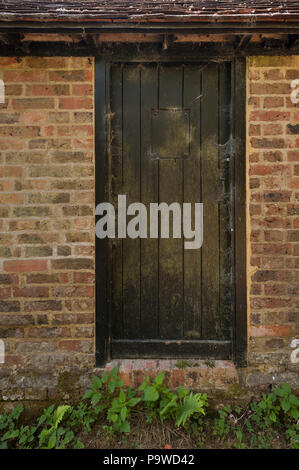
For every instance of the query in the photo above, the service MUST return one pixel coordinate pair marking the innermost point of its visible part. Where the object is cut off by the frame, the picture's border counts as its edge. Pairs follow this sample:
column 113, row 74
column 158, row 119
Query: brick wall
column 273, row 198
column 47, row 222
column 47, row 226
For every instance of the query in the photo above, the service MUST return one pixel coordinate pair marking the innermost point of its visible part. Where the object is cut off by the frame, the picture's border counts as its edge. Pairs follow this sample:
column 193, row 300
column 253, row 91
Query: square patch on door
column 170, row 133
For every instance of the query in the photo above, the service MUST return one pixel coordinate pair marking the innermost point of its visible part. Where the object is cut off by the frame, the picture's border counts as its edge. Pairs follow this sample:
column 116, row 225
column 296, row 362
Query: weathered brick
column 34, row 347
column 8, row 279
column 269, row 116
column 70, row 157
column 47, row 278
column 273, row 102
column 46, row 62
column 38, row 251
column 84, row 277
column 9, row 118
column 48, row 198
column 16, row 320
column 25, row 157
column 43, row 305
column 9, row 306
column 31, row 211
column 11, row 333
column 75, row 103
column 76, row 345
column 64, row 251
column 47, row 90
column 24, row 265
column 21, row 76
column 46, row 332
column 67, row 76
column 5, row 252
column 293, row 235
column 72, row 291
column 73, row 318
column 30, row 238
column 59, row 117
column 72, row 263
column 33, row 103
column 277, row 196
column 274, row 143
column 31, row 292
column 83, row 116
column 270, row 88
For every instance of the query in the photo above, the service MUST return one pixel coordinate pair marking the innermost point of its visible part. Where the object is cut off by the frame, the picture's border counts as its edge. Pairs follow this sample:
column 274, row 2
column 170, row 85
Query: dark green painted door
column 170, row 125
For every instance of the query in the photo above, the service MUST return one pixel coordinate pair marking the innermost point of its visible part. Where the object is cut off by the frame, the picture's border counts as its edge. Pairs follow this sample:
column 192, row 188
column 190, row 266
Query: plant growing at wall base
column 56, row 436
column 181, row 406
column 8, row 423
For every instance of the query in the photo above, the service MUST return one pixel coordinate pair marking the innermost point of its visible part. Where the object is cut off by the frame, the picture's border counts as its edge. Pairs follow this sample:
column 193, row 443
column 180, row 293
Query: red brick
column 46, row 332
column 31, row 292
column 22, row 76
column 24, row 265
column 270, row 331
column 177, row 378
column 269, row 116
column 84, row 277
column 47, row 90
column 270, row 88
column 83, row 346
column 75, row 103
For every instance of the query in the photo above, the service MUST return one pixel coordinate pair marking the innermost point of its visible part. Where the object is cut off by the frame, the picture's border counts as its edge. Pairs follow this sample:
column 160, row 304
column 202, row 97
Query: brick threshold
column 199, row 375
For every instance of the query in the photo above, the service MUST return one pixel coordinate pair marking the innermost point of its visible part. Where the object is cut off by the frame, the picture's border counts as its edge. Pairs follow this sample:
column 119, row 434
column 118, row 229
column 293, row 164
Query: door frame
column 238, row 150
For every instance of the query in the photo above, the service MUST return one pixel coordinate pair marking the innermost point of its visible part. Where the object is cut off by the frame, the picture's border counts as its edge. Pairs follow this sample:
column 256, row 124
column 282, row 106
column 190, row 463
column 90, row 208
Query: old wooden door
column 169, row 134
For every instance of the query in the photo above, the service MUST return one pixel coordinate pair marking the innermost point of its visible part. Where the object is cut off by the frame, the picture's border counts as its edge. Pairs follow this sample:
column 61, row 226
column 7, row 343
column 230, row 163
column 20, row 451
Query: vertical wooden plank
column 210, row 191
column 225, row 246
column 149, row 194
column 116, row 182
column 192, row 194
column 239, row 103
column 131, row 187
column 101, row 176
column 171, row 288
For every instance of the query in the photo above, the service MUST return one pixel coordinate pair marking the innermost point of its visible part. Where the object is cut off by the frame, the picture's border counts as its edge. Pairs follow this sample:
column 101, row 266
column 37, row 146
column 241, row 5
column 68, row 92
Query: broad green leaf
column 122, row 396
column 104, row 377
column 96, row 382
column 294, row 414
column 144, row 384
column 79, row 445
column 88, row 394
column 133, row 402
column 285, row 405
column 123, row 413
column 114, row 372
column 150, row 394
column 160, row 378
column 294, row 400
column 182, row 392
column 111, row 387
column 273, row 417
column 125, row 427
